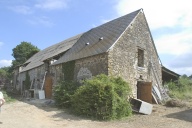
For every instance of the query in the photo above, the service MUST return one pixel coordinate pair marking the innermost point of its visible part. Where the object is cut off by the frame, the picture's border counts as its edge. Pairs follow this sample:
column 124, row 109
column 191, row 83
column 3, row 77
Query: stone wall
column 56, row 73
column 91, row 66
column 36, row 76
column 123, row 57
column 20, row 79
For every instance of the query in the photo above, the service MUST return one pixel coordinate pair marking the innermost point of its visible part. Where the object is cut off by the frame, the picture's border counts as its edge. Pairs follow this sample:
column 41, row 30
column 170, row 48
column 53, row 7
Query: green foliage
column 5, row 74
column 63, row 93
column 181, row 89
column 172, row 85
column 103, row 98
column 23, row 52
column 190, row 77
column 7, row 97
column 68, row 70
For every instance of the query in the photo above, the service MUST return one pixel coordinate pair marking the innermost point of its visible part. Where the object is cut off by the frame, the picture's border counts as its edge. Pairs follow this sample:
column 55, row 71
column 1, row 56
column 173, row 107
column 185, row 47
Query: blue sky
column 46, row 22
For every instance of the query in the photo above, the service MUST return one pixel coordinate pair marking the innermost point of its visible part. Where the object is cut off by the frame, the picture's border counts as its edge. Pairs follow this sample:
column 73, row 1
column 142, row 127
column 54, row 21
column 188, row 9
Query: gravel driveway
column 36, row 114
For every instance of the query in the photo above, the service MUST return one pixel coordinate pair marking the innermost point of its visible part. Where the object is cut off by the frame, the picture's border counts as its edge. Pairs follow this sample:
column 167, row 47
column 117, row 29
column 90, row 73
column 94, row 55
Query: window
column 140, row 58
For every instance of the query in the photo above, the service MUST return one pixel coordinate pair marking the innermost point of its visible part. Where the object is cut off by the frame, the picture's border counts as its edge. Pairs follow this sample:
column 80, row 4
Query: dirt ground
column 38, row 114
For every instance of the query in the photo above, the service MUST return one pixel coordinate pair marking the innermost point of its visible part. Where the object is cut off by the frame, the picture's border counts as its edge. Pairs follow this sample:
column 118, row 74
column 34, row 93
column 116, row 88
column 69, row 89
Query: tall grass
column 181, row 89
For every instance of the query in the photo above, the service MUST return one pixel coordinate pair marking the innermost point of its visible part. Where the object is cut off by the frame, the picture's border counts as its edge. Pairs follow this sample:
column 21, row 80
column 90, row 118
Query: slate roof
column 50, row 52
column 91, row 43
column 95, row 41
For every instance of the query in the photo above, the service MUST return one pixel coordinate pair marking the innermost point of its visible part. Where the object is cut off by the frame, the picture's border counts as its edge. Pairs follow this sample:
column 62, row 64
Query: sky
column 47, row 22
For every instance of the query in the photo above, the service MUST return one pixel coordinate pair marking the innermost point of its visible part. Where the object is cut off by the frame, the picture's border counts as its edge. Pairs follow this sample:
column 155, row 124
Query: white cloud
column 181, row 64
column 22, row 9
column 27, row 7
column 175, row 44
column 4, row 63
column 51, row 4
column 162, row 13
column 45, row 21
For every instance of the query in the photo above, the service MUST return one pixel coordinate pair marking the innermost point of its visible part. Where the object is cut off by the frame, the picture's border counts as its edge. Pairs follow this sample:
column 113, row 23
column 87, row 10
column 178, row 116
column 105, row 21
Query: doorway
column 144, row 90
column 48, row 86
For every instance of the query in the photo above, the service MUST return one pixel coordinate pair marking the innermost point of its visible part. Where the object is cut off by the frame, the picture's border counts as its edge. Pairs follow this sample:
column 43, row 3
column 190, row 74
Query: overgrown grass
column 181, row 89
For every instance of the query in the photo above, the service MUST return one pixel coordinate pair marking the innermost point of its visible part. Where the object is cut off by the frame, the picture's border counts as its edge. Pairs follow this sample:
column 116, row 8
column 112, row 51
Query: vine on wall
column 27, row 81
column 68, row 70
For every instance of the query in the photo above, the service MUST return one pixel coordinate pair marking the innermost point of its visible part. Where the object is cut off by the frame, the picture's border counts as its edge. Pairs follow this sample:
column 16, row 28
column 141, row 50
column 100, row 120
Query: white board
column 41, row 94
column 157, row 92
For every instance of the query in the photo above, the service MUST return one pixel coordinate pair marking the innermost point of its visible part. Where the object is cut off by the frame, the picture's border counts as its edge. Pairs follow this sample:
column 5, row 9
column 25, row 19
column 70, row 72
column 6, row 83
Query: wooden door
column 144, row 90
column 48, row 87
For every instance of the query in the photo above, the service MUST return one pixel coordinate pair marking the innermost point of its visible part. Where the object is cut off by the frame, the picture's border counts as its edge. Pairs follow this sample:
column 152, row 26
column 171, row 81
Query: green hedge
column 103, row 98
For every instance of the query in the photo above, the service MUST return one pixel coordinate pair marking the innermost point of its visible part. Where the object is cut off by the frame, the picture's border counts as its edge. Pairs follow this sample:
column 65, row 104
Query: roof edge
column 170, row 72
column 140, row 10
column 25, row 70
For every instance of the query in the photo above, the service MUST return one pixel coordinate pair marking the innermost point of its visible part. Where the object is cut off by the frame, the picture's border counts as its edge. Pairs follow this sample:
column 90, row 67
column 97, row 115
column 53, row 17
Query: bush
column 63, row 93
column 102, row 98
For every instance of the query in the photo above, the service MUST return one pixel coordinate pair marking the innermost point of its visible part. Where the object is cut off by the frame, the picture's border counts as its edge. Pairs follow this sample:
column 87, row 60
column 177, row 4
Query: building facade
column 122, row 47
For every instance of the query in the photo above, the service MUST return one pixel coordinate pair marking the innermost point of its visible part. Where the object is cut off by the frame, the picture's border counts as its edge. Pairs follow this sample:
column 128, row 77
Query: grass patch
column 183, row 95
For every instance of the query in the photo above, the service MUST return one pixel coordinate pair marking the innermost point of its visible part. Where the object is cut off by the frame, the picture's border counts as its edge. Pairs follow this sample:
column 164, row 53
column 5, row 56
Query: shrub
column 102, row 97
column 63, row 93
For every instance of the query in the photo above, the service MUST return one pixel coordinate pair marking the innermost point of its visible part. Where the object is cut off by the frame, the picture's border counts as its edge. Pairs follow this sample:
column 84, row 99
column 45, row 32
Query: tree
column 184, row 76
column 5, row 75
column 190, row 77
column 23, row 52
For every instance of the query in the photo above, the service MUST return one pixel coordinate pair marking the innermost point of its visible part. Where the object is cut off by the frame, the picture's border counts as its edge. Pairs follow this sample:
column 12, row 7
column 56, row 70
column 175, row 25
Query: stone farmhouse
column 122, row 47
